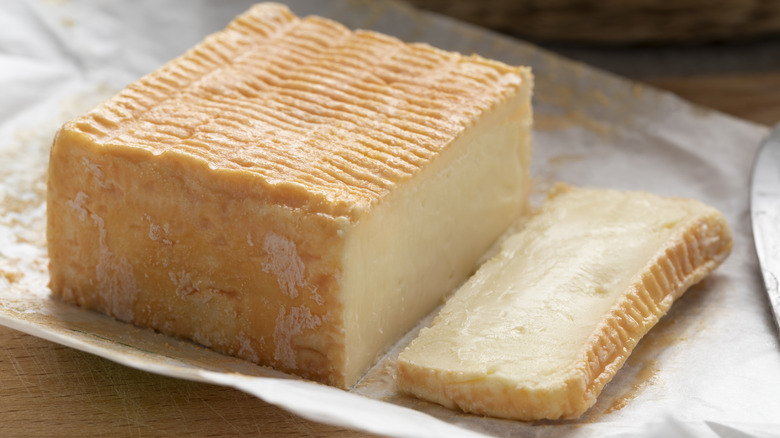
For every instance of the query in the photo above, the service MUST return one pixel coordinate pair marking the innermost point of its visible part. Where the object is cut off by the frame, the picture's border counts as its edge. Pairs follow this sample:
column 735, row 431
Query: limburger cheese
column 539, row 330
column 289, row 191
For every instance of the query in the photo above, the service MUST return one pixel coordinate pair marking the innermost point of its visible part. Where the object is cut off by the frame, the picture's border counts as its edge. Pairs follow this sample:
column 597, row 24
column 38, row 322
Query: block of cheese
column 289, row 191
column 539, row 330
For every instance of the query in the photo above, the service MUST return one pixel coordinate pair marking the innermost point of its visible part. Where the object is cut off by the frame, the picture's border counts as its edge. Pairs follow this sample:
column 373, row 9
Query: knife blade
column 765, row 216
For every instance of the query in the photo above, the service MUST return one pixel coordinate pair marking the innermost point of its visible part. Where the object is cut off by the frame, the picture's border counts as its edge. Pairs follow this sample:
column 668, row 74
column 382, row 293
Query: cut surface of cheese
column 289, row 191
column 542, row 326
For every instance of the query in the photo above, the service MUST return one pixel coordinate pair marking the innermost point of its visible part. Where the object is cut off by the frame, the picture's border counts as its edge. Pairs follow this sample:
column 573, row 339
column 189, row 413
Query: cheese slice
column 539, row 330
column 289, row 191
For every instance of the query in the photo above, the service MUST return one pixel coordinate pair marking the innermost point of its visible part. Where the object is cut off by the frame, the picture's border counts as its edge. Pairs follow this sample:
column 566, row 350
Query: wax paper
column 711, row 367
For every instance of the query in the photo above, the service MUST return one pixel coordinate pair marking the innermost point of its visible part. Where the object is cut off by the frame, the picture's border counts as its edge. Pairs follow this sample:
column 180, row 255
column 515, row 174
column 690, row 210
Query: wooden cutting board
column 51, row 390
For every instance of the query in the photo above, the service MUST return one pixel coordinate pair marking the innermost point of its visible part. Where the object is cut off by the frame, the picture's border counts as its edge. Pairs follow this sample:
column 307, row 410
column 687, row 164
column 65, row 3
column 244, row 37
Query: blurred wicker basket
column 618, row 21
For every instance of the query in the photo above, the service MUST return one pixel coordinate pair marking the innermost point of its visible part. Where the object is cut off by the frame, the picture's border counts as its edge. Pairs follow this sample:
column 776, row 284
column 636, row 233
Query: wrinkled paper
column 711, row 367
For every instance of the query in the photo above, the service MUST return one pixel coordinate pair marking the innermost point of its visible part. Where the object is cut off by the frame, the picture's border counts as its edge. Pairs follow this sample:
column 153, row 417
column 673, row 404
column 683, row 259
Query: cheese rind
column 540, row 329
column 238, row 195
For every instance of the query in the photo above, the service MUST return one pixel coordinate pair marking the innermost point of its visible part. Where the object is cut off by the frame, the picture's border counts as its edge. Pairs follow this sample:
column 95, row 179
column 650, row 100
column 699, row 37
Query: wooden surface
column 50, row 390
column 750, row 95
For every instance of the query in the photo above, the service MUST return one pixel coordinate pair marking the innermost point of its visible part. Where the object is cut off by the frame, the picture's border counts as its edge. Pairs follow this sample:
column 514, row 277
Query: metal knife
column 765, row 215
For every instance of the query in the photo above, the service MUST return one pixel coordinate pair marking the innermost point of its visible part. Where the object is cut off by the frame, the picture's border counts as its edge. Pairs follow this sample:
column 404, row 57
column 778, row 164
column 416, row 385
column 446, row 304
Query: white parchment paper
column 711, row 367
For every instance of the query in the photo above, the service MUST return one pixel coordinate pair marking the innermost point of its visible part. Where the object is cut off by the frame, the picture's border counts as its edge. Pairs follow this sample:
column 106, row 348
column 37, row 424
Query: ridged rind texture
column 689, row 257
column 690, row 254
column 330, row 118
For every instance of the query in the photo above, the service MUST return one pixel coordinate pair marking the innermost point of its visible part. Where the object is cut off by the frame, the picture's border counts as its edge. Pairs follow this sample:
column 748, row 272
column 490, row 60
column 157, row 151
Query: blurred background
column 723, row 54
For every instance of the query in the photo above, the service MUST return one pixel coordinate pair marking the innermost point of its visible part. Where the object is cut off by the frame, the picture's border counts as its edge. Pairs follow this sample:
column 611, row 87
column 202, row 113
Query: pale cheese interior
column 547, row 290
column 540, row 328
column 423, row 241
